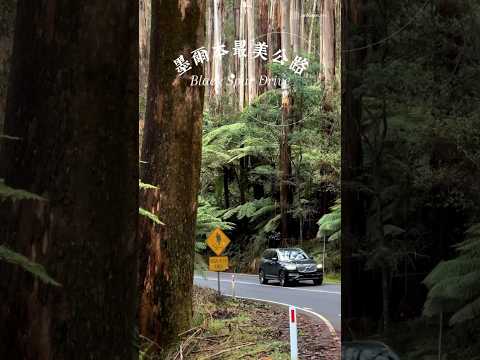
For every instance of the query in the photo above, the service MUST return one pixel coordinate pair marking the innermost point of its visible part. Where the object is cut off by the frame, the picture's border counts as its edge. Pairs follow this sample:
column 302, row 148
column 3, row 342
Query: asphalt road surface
column 324, row 300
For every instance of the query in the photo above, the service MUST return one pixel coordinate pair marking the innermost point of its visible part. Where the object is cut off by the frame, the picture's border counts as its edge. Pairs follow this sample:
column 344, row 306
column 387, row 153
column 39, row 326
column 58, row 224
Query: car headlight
column 319, row 266
column 291, row 267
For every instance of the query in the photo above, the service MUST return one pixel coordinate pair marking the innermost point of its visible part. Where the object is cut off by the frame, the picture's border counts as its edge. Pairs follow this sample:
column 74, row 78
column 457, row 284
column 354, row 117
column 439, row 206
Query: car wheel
column 261, row 278
column 318, row 281
column 283, row 279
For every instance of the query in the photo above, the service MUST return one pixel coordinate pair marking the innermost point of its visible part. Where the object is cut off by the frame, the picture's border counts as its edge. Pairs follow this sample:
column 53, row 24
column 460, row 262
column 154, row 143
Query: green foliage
column 7, row 192
column 330, row 224
column 210, row 217
column 453, row 284
column 150, row 216
column 9, row 256
column 145, row 212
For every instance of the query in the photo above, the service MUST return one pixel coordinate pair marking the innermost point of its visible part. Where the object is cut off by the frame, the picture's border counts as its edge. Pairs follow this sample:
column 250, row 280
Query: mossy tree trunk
column 73, row 101
column 172, row 150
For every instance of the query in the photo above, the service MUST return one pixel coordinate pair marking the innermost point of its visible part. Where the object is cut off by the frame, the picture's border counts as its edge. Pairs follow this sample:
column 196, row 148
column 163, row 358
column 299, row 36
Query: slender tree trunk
column 312, row 26
column 172, row 149
column 252, row 83
column 263, row 36
column 73, row 101
column 145, row 13
column 328, row 42
column 226, row 191
column 272, row 19
column 285, row 151
column 241, row 61
column 217, row 41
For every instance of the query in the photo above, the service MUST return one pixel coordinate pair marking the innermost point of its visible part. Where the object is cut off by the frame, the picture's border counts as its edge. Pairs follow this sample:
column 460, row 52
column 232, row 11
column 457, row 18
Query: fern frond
column 143, row 185
column 7, row 192
column 26, row 264
column 149, row 215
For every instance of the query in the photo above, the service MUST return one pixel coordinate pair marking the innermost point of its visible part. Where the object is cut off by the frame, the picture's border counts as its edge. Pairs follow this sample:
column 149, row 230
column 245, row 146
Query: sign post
column 293, row 333
column 218, row 241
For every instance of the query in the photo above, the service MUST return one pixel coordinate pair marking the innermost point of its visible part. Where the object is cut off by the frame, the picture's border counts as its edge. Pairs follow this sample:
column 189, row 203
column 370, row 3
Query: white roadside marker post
column 233, row 286
column 293, row 333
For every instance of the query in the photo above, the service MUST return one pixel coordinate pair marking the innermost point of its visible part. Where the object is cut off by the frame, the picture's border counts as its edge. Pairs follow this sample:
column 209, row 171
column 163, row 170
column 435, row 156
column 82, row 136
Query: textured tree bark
column 73, row 101
column 172, row 149
column 328, row 42
column 145, row 13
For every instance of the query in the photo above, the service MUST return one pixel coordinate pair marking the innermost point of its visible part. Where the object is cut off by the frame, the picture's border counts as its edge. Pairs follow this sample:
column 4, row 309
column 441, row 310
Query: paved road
column 324, row 300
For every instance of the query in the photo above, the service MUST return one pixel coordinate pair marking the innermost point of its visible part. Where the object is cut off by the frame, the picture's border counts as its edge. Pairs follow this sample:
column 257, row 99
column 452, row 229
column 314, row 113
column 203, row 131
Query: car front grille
column 307, row 268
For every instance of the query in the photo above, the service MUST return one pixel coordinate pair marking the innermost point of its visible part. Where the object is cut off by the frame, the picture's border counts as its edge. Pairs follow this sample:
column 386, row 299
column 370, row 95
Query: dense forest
column 255, row 152
column 410, row 169
column 270, row 135
column 270, row 158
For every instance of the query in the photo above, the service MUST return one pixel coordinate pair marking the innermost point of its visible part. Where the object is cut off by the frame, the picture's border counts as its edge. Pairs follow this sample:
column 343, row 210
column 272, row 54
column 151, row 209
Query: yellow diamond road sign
column 218, row 241
column 217, row 263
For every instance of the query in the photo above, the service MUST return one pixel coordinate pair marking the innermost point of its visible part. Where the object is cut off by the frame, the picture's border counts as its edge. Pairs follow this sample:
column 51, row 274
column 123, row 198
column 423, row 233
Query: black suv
column 289, row 266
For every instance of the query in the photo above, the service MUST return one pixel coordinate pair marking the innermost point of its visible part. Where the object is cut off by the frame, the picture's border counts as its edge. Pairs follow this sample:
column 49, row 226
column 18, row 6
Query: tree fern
column 453, row 284
column 330, row 224
column 210, row 217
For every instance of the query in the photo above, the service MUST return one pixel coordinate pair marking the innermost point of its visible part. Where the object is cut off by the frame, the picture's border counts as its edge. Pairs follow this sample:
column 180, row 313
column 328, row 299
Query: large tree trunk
column 73, row 101
column 352, row 209
column 172, row 150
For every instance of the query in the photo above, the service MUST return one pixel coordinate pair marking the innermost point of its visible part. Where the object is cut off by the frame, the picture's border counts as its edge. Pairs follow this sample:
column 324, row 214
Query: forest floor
column 230, row 329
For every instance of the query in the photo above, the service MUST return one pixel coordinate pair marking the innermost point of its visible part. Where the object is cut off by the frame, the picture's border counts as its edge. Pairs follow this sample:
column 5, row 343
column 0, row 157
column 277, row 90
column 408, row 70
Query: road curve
column 324, row 300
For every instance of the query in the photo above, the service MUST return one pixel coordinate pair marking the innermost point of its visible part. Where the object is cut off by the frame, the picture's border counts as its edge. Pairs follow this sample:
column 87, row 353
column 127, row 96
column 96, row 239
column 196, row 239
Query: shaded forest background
column 410, row 170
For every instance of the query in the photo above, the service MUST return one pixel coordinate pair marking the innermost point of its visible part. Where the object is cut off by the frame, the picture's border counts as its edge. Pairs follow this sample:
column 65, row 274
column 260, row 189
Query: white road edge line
column 255, row 284
column 321, row 317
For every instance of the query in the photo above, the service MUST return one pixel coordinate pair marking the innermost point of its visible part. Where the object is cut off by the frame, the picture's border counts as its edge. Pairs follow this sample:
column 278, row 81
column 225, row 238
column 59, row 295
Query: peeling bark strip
column 73, row 100
column 172, row 149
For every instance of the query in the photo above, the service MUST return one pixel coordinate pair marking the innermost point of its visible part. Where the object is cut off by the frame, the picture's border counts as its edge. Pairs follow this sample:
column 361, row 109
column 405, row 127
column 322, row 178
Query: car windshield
column 292, row 254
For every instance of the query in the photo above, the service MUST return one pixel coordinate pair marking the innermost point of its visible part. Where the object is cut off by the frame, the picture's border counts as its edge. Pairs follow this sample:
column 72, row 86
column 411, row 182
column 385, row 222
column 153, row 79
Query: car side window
column 266, row 254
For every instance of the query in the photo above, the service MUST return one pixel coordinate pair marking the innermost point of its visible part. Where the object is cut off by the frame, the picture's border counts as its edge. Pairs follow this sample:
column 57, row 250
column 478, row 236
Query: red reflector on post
column 292, row 315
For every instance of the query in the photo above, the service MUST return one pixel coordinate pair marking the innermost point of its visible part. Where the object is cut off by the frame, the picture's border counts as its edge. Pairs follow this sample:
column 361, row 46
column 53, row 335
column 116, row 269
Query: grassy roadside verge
column 332, row 278
column 227, row 329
